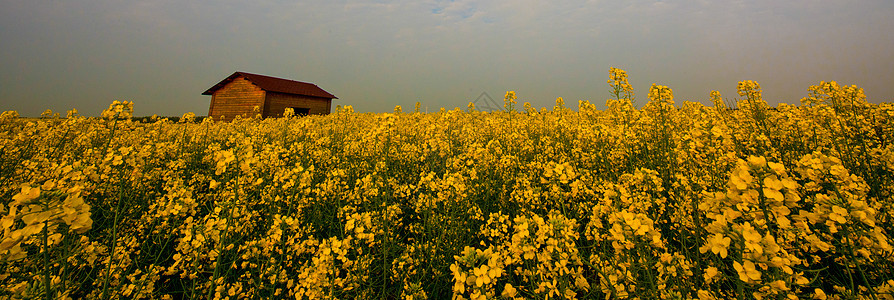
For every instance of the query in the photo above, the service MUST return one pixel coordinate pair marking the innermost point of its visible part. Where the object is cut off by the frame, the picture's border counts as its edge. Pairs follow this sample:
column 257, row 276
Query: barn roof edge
column 275, row 84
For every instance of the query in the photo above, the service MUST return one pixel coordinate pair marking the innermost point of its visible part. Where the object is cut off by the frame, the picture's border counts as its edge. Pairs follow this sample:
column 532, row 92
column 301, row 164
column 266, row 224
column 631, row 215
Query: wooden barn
column 241, row 92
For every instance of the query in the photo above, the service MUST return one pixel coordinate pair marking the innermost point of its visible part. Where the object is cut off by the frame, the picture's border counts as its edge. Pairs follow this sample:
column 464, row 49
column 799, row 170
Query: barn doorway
column 300, row 111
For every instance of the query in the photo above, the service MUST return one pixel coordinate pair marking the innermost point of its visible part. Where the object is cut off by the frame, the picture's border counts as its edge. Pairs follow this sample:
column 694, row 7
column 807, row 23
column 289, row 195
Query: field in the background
column 667, row 201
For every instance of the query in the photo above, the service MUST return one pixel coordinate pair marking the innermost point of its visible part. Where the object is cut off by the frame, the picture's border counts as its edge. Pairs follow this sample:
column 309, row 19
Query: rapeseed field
column 667, row 201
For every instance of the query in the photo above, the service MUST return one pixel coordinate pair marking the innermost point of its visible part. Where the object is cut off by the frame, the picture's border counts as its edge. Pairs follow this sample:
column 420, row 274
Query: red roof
column 273, row 84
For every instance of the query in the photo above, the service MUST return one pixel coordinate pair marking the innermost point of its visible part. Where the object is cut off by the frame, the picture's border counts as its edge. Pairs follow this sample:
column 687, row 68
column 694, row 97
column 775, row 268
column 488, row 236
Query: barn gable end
column 238, row 97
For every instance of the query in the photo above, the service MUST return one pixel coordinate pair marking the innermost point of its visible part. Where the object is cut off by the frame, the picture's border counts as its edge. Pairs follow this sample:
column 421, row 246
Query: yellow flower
column 838, row 214
column 777, row 168
column 740, row 179
column 710, row 273
column 779, row 285
column 747, row 271
column 27, row 194
column 481, row 275
column 705, row 295
column 773, row 182
column 757, row 161
column 459, row 278
column 750, row 234
column 719, row 244
column 508, row 291
column 772, row 194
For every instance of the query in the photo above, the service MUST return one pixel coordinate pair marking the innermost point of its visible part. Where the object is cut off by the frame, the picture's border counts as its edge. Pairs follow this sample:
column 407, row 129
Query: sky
column 373, row 55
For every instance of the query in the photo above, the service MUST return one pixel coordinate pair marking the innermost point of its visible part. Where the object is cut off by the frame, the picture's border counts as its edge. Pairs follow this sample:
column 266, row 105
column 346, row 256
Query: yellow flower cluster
column 661, row 94
column 509, row 100
column 619, row 84
column 42, row 212
column 539, row 254
column 671, row 200
column 118, row 110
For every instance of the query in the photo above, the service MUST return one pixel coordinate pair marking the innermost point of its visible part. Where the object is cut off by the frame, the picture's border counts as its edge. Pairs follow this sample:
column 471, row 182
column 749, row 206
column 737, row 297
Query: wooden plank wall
column 278, row 102
column 238, row 97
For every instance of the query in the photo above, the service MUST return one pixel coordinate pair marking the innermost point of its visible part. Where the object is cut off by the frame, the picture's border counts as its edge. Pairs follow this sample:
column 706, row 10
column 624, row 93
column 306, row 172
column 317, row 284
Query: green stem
column 648, row 266
column 852, row 257
column 740, row 287
column 46, row 264
column 847, row 267
column 113, row 243
column 111, row 136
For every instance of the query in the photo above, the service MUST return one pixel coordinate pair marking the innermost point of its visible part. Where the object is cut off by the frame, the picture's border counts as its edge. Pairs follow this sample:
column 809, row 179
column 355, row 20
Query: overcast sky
column 62, row 54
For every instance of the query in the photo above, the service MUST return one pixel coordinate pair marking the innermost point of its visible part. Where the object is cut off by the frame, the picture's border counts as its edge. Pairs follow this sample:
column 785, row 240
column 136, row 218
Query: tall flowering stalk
column 620, row 87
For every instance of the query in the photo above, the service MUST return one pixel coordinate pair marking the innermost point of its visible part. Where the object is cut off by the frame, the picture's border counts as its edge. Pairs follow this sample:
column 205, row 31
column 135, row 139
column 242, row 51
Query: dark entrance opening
column 299, row 111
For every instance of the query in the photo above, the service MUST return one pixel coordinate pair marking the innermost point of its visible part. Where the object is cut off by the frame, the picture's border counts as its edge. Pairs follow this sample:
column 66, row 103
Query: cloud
column 451, row 11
